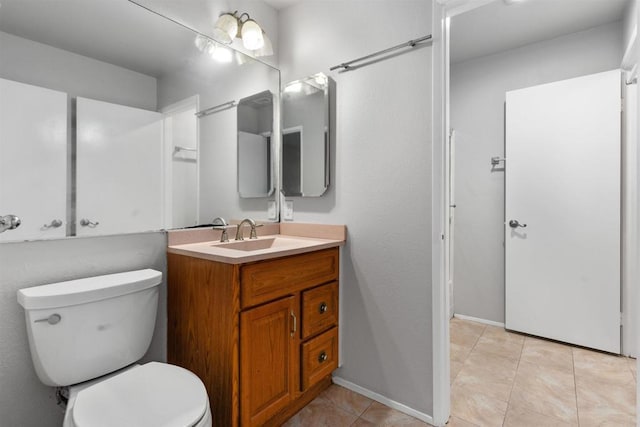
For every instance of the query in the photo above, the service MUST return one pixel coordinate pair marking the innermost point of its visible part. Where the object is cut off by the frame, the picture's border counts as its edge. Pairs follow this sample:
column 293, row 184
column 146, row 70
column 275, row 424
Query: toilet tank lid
column 88, row 289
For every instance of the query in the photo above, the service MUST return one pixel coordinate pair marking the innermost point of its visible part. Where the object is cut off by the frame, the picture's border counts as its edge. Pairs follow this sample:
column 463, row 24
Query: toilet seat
column 152, row 395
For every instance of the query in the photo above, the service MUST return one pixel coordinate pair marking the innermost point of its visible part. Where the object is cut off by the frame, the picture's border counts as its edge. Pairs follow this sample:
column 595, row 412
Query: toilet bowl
column 86, row 335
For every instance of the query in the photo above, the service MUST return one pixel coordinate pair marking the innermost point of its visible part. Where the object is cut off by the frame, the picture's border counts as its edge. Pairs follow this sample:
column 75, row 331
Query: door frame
column 442, row 11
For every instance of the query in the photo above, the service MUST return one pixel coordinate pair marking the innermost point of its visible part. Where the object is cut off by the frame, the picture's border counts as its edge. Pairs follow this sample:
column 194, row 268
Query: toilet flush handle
column 53, row 319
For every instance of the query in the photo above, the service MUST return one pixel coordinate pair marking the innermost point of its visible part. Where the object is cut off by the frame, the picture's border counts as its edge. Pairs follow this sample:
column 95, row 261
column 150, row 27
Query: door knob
column 515, row 224
column 87, row 223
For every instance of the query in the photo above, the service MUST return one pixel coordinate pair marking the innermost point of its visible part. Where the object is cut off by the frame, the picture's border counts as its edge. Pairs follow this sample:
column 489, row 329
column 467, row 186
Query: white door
column 119, row 169
column 562, row 270
column 33, row 137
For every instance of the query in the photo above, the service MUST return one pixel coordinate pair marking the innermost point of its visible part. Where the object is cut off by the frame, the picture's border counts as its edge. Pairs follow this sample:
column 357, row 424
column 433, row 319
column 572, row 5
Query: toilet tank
column 81, row 329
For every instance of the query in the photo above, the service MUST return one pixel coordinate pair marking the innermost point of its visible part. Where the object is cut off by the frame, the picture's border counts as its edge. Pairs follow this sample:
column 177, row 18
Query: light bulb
column 252, row 38
column 266, row 49
column 293, row 87
column 221, row 54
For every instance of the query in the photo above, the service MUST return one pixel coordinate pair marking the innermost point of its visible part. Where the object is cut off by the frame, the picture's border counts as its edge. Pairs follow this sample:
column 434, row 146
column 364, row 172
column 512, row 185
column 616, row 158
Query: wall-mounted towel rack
column 178, row 148
column 216, row 109
column 347, row 66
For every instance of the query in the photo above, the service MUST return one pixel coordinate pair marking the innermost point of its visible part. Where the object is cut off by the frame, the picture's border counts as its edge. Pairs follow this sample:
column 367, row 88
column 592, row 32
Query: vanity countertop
column 293, row 239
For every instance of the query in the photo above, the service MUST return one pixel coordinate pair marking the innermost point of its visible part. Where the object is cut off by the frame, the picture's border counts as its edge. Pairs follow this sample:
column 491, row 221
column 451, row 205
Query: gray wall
column 24, row 401
column 381, row 185
column 478, row 89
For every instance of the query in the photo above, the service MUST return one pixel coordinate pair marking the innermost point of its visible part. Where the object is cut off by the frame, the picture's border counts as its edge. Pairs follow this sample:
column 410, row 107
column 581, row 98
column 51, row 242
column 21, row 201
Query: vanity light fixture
column 214, row 49
column 231, row 25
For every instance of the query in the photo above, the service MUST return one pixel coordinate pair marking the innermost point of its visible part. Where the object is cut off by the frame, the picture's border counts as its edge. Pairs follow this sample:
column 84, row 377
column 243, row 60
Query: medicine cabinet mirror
column 124, row 124
column 306, row 136
column 255, row 128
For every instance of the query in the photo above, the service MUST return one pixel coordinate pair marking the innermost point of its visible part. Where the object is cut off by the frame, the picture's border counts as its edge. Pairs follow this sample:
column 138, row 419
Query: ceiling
column 498, row 26
column 281, row 4
column 117, row 32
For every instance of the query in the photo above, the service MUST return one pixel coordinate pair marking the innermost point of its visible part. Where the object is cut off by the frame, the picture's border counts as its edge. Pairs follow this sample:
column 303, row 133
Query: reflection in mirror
column 305, row 136
column 255, row 128
column 106, row 127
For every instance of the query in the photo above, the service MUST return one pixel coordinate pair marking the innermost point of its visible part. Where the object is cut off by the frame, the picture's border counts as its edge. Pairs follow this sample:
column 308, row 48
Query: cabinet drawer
column 269, row 280
column 319, row 309
column 319, row 357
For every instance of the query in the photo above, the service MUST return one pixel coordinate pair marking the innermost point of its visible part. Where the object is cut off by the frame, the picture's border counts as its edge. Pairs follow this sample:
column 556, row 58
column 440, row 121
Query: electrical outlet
column 287, row 213
column 271, row 210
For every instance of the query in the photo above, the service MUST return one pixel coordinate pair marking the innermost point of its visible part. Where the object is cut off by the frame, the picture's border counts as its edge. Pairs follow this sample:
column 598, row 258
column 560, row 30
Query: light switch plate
column 287, row 213
column 271, row 210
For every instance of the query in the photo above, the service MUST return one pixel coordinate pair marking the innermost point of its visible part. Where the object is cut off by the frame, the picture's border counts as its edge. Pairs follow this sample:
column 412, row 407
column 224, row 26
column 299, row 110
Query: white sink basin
column 249, row 245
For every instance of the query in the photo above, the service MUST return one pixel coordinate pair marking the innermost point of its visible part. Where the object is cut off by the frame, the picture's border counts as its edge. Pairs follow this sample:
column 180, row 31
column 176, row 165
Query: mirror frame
column 328, row 140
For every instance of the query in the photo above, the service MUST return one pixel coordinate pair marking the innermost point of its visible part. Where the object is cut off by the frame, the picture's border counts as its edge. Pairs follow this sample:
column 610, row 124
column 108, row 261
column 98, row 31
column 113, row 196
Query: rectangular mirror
column 306, row 136
column 255, row 129
column 124, row 124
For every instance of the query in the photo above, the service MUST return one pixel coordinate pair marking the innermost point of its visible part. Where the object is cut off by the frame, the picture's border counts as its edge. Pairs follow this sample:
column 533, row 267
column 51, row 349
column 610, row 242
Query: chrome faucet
column 252, row 223
column 219, row 223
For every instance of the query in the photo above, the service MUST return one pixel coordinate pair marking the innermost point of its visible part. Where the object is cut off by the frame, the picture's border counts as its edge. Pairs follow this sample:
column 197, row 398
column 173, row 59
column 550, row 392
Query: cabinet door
column 33, row 160
column 267, row 360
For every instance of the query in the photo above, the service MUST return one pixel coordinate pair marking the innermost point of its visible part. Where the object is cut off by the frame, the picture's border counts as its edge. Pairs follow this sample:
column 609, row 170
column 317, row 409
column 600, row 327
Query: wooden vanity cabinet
column 262, row 336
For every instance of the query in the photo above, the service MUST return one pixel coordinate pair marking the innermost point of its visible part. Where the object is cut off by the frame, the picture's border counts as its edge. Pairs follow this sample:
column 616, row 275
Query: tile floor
column 339, row 407
column 505, row 379
column 500, row 378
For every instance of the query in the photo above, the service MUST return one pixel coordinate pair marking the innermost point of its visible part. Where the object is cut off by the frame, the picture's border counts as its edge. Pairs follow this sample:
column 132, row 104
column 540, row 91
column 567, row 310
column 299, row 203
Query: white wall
column 24, row 401
column 381, row 184
column 38, row 64
column 478, row 89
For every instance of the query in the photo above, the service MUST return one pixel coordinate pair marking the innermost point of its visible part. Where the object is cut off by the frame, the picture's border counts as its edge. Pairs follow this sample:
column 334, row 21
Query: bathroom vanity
column 258, row 325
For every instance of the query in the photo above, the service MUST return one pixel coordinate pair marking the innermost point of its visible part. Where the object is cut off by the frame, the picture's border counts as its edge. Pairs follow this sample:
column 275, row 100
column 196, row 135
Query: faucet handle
column 253, row 234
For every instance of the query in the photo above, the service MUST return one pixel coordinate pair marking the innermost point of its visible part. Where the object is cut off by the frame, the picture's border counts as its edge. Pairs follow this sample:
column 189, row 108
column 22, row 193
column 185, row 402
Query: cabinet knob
column 322, row 357
column 323, row 308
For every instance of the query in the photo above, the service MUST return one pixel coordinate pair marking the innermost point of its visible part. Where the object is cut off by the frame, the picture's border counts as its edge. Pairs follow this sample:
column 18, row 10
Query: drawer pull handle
column 323, row 308
column 295, row 323
column 322, row 357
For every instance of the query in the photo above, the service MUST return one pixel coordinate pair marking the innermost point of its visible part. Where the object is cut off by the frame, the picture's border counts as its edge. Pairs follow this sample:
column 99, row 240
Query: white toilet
column 87, row 334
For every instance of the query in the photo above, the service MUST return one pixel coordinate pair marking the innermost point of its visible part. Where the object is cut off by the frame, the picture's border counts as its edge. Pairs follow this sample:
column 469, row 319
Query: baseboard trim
column 478, row 320
column 382, row 399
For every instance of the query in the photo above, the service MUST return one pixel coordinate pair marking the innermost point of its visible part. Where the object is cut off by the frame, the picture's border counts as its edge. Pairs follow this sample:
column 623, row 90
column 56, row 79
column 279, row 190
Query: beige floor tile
column 633, row 366
column 545, row 390
column 465, row 333
column 321, row 413
column 488, row 374
column 547, row 353
column 454, row 369
column 477, row 408
column 346, row 399
column 603, row 367
column 459, row 352
column 603, row 402
column 459, row 422
column 383, row 416
column 519, row 417
column 362, row 423
column 500, row 342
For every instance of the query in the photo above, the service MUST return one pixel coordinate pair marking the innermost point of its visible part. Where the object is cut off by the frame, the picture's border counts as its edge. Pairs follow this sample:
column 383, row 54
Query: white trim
column 384, row 400
column 439, row 230
column 478, row 320
column 457, row 7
